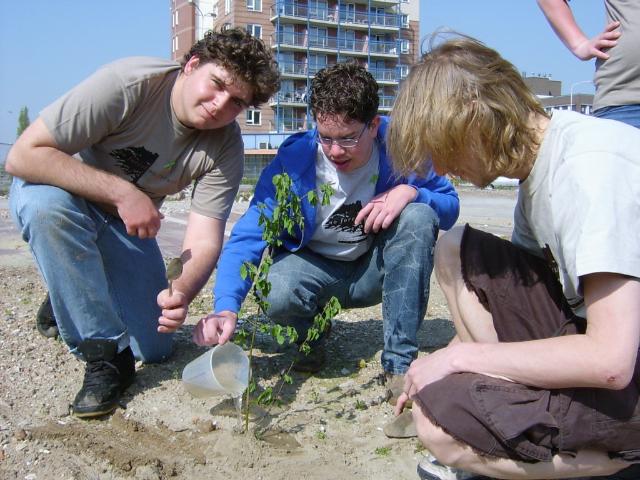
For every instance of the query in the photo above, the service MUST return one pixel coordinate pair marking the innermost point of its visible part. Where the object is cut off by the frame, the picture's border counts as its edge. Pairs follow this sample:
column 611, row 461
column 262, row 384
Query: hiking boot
column 430, row 469
column 316, row 359
column 45, row 320
column 107, row 374
column 395, row 387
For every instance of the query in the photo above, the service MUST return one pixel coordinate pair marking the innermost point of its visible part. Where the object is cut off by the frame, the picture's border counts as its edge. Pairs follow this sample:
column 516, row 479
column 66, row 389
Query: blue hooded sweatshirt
column 297, row 157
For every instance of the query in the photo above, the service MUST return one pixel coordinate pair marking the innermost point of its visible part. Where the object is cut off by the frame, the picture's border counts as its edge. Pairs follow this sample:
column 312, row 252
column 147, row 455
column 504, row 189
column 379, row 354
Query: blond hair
column 462, row 98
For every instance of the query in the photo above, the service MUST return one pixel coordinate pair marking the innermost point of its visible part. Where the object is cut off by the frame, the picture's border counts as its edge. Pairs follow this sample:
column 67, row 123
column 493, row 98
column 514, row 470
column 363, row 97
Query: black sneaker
column 316, row 359
column 45, row 320
column 107, row 374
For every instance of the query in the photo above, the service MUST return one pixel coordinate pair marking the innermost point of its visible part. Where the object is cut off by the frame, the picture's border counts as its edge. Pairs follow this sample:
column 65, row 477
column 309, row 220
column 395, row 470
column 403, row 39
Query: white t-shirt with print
column 336, row 235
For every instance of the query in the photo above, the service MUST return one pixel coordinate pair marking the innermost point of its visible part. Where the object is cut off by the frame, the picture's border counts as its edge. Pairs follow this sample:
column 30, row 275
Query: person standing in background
column 616, row 50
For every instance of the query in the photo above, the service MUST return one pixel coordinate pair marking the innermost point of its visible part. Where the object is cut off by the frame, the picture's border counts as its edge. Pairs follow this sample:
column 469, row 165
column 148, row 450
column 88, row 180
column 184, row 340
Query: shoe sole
column 94, row 413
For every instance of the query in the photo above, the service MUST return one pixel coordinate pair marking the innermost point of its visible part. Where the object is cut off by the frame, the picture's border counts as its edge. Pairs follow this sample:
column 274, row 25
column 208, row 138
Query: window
column 254, row 117
column 316, row 62
column 405, row 21
column 318, row 37
column 404, row 46
column 254, row 5
column 227, row 6
column 348, row 12
column 175, row 43
column 255, row 30
column 226, row 27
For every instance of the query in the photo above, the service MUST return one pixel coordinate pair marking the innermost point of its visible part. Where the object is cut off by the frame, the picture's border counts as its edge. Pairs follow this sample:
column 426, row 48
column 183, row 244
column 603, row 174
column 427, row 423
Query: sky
column 48, row 46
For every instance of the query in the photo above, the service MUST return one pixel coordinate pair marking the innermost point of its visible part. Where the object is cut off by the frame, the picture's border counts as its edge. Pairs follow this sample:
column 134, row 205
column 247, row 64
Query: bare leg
column 453, row 453
column 473, row 323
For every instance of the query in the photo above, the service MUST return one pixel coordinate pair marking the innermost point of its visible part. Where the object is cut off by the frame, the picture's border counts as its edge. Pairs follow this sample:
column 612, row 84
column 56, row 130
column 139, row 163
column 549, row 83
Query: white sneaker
column 431, row 469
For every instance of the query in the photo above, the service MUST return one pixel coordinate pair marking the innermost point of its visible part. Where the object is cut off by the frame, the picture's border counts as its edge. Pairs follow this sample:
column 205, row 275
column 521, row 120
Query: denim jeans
column 629, row 114
column 102, row 282
column 396, row 270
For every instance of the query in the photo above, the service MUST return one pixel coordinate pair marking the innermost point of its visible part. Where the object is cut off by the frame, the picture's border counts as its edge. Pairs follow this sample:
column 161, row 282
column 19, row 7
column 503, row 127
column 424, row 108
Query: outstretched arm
column 564, row 24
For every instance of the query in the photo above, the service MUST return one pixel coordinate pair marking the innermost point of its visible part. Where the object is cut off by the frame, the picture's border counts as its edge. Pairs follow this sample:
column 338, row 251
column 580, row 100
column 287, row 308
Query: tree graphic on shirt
column 134, row 161
column 343, row 220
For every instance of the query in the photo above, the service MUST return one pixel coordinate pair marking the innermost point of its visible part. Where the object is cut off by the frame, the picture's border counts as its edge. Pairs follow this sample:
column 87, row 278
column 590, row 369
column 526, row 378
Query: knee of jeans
column 289, row 299
column 420, row 219
column 46, row 214
column 447, row 254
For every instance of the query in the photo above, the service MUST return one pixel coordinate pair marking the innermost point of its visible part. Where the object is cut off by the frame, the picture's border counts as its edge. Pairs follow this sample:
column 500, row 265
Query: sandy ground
column 328, row 425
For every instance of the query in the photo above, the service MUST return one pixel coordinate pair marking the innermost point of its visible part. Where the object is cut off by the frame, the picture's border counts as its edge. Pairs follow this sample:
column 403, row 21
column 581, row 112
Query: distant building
column 549, row 93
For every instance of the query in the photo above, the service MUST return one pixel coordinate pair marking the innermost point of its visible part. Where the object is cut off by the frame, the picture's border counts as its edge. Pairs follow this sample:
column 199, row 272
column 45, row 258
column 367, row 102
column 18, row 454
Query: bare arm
column 562, row 21
column 200, row 251
column 36, row 158
column 604, row 357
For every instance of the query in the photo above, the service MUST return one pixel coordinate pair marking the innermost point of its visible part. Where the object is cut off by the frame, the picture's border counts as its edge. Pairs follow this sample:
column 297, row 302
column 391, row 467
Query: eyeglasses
column 341, row 142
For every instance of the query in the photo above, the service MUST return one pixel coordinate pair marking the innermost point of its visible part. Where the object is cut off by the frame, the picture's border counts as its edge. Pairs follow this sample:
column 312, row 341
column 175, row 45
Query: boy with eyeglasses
column 373, row 242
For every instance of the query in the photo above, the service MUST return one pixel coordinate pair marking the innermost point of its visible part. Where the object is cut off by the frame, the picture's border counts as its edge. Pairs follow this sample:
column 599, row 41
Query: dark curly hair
column 245, row 57
column 345, row 89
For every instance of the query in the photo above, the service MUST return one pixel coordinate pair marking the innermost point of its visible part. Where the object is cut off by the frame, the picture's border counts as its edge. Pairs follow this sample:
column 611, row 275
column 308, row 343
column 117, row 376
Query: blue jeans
column 396, row 270
column 102, row 282
column 629, row 114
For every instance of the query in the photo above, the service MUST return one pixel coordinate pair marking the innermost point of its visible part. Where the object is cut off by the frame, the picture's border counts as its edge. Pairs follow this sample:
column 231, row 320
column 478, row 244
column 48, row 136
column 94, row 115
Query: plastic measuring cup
column 223, row 370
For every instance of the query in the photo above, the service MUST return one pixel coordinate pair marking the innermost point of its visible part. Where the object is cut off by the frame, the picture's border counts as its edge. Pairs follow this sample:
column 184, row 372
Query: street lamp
column 582, row 82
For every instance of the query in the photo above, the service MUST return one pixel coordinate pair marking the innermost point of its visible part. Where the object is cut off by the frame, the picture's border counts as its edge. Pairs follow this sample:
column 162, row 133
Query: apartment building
column 305, row 36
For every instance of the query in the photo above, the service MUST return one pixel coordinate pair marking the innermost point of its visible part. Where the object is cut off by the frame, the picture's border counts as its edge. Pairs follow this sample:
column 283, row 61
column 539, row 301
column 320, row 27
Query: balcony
column 301, row 13
column 296, row 98
column 289, row 124
column 385, row 75
column 386, row 102
column 333, row 44
column 300, row 69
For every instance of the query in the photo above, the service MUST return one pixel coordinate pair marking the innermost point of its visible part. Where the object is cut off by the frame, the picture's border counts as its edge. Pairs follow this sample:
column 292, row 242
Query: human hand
column 590, row 48
column 424, row 371
column 139, row 214
column 383, row 209
column 174, row 310
column 215, row 328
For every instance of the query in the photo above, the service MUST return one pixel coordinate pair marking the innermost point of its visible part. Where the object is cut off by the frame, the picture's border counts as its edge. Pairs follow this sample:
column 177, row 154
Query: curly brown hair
column 245, row 57
column 345, row 89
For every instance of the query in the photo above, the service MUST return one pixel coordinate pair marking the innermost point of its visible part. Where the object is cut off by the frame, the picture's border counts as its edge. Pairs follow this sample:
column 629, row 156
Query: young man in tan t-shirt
column 91, row 173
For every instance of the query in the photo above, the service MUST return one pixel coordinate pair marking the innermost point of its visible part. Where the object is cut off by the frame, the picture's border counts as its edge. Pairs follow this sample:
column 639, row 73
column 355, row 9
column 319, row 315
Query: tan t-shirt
column 120, row 120
column 618, row 78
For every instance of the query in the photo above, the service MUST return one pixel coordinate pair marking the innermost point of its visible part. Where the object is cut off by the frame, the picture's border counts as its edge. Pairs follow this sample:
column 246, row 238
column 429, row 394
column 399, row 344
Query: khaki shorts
column 509, row 420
